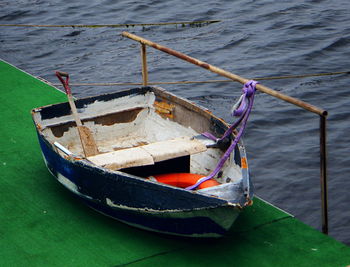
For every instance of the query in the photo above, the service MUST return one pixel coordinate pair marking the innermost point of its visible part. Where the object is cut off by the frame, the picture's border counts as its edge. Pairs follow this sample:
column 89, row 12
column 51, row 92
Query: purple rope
column 242, row 109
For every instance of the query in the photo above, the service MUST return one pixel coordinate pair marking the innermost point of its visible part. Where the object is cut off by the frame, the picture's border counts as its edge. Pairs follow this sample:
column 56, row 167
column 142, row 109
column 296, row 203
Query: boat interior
column 141, row 133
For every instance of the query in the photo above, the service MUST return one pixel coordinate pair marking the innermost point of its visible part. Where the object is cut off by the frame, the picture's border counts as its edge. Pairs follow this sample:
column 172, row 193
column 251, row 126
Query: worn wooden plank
column 169, row 149
column 148, row 154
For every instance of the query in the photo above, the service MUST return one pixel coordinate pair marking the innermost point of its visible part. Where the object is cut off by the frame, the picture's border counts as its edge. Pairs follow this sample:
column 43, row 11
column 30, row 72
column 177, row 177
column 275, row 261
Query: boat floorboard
column 42, row 224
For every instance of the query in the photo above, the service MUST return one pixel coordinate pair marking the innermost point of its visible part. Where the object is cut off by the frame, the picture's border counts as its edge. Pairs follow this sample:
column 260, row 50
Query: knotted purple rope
column 242, row 110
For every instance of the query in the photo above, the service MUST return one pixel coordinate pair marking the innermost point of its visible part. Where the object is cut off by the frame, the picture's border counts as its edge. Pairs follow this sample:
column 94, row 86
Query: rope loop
column 242, row 109
column 248, row 89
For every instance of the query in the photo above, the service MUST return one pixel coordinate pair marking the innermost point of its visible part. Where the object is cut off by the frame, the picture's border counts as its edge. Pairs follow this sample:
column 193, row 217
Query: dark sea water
column 254, row 39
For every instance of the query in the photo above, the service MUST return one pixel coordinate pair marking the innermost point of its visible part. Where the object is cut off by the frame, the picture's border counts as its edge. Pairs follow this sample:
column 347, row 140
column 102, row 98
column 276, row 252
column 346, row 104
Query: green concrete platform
column 42, row 224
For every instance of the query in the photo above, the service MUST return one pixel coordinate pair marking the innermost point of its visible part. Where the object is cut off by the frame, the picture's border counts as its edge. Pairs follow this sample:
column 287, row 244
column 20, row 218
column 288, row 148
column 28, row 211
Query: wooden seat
column 149, row 154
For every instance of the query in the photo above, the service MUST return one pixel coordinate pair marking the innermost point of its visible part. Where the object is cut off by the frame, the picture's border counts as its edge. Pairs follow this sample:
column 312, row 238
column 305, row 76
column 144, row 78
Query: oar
column 86, row 138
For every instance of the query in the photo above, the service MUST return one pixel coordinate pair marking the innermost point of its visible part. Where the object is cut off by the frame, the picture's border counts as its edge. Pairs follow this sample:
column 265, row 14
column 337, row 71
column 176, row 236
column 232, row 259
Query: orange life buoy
column 183, row 180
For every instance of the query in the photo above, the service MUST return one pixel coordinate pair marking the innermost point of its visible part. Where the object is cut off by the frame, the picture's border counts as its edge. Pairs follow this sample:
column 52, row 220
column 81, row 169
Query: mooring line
column 209, row 81
column 127, row 25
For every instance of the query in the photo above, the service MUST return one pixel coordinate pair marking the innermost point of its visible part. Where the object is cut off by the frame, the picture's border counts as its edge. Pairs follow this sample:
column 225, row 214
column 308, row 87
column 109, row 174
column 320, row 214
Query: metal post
column 144, row 65
column 323, row 174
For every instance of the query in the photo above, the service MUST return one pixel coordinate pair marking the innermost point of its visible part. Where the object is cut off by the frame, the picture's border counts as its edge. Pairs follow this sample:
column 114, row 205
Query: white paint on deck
column 140, row 141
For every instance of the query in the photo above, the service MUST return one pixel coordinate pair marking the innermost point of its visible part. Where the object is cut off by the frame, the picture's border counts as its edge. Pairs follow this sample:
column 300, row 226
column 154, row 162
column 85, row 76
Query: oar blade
column 88, row 142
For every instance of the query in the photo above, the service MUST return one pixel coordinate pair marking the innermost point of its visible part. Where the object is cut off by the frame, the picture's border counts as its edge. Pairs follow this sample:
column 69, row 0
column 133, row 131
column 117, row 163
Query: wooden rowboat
column 144, row 132
column 141, row 156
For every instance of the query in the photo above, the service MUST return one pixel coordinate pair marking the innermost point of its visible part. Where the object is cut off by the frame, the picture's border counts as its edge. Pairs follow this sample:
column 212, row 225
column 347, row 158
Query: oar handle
column 65, row 82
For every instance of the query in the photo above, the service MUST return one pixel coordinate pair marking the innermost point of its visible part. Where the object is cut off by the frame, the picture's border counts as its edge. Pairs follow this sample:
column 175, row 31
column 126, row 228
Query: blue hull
column 140, row 202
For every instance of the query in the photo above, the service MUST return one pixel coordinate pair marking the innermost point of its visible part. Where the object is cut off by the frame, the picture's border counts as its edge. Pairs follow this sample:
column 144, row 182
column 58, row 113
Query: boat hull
column 192, row 215
column 129, row 196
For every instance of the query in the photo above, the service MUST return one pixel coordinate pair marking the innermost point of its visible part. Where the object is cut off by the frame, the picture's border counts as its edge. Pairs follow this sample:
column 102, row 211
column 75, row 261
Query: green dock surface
column 42, row 224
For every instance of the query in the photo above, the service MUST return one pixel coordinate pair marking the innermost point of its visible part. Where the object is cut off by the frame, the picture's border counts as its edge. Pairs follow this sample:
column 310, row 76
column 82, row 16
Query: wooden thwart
column 148, row 154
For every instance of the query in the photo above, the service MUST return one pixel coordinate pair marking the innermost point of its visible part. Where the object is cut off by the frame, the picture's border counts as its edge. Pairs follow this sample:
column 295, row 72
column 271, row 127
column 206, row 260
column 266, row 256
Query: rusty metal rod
column 323, row 174
column 323, row 113
column 144, row 65
column 227, row 74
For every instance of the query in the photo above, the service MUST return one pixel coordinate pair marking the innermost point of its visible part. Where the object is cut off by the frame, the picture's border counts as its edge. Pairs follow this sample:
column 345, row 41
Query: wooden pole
column 227, row 74
column 86, row 138
column 144, row 65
